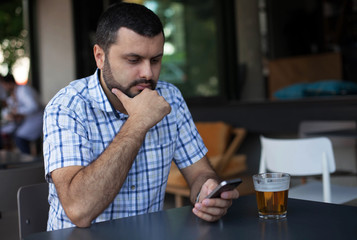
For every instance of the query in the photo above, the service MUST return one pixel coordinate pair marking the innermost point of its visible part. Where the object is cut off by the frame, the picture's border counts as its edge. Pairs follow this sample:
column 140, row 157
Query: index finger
column 120, row 95
column 234, row 194
column 225, row 197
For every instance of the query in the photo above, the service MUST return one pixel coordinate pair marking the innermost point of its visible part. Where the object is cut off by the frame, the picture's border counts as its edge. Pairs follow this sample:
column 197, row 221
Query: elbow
column 81, row 220
column 81, row 223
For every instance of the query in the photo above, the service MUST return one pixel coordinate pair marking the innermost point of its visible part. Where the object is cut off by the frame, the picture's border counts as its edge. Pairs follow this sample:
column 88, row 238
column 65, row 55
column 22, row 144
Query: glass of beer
column 272, row 194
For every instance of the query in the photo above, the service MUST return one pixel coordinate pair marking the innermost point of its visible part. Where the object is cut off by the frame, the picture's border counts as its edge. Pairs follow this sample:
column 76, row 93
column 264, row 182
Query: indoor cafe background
column 223, row 69
column 221, row 54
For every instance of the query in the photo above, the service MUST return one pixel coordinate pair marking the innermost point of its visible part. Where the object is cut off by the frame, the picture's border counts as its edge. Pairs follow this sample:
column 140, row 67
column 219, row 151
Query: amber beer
column 272, row 194
column 272, row 203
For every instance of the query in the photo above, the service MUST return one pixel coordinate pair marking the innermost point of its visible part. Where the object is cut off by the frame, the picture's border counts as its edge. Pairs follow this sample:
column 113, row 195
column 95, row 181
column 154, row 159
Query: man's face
column 133, row 63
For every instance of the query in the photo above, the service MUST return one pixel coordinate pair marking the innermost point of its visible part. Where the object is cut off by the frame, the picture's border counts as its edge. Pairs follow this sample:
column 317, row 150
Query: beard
column 111, row 83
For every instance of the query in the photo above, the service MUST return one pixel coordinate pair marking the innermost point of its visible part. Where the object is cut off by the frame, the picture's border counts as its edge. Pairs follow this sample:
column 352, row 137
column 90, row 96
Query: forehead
column 128, row 40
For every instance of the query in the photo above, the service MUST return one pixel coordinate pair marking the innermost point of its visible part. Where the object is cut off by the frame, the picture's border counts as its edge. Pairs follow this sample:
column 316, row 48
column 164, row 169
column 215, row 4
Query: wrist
column 137, row 124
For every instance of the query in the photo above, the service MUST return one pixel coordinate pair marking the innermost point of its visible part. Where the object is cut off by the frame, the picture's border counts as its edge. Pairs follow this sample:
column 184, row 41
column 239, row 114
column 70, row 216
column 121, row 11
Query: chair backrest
column 222, row 142
column 298, row 157
column 344, row 148
column 215, row 135
column 32, row 201
column 12, row 179
column 302, row 69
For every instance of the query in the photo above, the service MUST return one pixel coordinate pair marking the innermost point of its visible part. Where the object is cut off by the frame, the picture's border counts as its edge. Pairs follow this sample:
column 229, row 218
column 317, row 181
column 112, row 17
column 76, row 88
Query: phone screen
column 224, row 186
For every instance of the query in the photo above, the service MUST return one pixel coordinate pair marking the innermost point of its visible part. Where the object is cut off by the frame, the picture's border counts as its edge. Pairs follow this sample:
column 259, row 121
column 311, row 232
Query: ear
column 99, row 56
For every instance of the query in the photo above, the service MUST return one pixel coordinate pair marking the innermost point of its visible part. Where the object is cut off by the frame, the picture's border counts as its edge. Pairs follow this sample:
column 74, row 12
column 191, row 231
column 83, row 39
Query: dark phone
column 224, row 186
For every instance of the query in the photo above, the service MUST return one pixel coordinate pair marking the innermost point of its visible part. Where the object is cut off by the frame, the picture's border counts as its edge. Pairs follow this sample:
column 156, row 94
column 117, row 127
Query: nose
column 146, row 71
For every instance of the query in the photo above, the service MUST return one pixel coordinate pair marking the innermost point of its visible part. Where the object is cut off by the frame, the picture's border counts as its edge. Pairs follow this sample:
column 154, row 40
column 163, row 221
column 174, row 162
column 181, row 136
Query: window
column 199, row 51
column 190, row 51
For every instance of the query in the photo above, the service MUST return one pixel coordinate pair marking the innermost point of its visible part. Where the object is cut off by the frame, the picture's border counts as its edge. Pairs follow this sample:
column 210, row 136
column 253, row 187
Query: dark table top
column 306, row 220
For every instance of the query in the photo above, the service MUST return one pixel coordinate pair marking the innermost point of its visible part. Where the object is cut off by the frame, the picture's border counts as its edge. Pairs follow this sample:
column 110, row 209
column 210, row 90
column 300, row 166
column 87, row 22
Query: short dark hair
column 133, row 16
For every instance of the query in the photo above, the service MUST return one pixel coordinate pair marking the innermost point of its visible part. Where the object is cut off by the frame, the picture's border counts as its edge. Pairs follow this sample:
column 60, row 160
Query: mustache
column 145, row 81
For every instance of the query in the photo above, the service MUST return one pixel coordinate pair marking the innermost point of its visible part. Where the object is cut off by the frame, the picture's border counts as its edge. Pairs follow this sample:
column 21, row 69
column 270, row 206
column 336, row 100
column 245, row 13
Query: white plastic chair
column 305, row 157
column 344, row 148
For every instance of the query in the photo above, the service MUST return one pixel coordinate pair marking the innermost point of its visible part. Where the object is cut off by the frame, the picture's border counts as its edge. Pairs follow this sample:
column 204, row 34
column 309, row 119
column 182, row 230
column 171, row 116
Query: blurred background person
column 22, row 115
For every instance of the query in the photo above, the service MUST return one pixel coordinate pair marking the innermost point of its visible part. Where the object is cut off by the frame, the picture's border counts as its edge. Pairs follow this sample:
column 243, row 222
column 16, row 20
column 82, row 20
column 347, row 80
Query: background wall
column 249, row 50
column 55, row 46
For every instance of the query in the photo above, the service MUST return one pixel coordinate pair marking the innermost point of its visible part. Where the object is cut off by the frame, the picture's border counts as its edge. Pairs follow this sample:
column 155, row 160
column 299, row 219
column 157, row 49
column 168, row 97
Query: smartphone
column 224, row 186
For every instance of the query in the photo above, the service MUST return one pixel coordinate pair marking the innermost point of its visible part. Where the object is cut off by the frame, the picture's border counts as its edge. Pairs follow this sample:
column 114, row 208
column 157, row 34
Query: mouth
column 142, row 86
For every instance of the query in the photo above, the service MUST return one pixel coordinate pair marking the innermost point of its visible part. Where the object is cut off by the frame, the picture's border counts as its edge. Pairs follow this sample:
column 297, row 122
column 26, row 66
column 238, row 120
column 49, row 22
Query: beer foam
column 271, row 187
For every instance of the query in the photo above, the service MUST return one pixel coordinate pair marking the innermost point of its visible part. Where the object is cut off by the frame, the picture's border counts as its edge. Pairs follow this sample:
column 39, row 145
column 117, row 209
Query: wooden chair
column 222, row 142
column 284, row 72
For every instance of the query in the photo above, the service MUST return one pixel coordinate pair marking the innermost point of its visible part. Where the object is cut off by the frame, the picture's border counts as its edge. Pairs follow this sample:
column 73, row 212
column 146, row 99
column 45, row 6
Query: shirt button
column 132, row 187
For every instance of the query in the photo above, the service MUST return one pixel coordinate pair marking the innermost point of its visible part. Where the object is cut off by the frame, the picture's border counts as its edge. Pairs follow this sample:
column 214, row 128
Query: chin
column 132, row 94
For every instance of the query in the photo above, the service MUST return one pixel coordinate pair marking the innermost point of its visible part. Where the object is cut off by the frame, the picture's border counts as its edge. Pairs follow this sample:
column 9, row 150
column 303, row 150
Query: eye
column 133, row 60
column 155, row 60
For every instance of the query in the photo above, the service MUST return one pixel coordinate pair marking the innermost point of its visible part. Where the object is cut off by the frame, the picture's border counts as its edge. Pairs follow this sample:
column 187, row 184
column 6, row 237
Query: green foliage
column 192, row 67
column 12, row 34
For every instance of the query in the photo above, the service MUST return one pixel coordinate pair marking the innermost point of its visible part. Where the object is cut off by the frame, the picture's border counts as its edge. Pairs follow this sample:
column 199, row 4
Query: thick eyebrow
column 159, row 55
column 139, row 56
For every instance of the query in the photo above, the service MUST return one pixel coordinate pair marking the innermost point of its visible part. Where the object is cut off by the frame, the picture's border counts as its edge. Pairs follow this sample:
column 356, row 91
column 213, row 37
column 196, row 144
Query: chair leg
column 178, row 200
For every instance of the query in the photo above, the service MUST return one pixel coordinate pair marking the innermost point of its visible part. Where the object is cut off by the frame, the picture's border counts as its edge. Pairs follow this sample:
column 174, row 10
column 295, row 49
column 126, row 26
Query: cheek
column 124, row 75
column 156, row 71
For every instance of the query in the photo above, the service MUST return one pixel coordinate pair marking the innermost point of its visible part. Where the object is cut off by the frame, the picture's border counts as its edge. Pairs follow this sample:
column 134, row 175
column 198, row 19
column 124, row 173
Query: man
column 23, row 114
column 109, row 139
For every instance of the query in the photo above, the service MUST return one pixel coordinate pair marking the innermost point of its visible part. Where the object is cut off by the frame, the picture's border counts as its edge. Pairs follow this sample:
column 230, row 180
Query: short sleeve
column 65, row 140
column 190, row 146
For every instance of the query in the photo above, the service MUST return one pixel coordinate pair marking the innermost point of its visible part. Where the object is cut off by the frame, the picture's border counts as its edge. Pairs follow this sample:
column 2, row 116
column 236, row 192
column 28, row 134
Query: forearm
column 94, row 187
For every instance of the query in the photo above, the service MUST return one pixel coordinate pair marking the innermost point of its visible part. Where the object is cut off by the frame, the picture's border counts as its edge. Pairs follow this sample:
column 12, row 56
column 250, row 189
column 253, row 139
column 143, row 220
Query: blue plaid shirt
column 79, row 124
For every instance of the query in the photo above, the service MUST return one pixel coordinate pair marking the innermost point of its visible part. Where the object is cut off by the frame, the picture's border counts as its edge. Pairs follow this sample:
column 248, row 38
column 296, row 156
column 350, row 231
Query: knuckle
column 168, row 108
